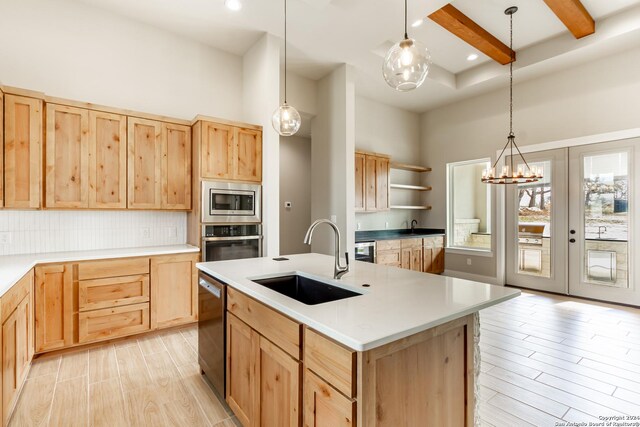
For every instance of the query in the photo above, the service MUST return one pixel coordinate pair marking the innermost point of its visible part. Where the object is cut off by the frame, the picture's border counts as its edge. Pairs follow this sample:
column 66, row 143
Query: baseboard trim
column 470, row 276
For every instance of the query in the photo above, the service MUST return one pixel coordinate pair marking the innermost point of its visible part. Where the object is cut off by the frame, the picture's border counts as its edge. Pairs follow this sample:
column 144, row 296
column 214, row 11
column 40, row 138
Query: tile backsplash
column 28, row 232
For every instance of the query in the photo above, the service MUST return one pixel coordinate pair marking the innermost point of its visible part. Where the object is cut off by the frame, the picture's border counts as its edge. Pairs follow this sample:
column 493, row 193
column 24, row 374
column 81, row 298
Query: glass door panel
column 536, row 217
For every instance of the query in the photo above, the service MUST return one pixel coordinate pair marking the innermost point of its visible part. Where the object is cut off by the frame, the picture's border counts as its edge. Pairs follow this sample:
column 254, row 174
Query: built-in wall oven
column 228, row 202
column 231, row 241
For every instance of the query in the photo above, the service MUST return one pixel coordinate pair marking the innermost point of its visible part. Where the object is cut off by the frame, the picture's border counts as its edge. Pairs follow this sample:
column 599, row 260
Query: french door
column 573, row 231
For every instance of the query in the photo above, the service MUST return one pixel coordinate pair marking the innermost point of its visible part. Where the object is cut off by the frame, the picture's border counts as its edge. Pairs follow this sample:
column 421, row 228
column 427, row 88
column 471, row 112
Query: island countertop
column 396, row 304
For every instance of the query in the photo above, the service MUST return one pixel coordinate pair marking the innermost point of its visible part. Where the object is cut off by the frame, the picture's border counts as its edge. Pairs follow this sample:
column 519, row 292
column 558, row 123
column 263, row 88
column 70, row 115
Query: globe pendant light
column 509, row 174
column 286, row 119
column 407, row 62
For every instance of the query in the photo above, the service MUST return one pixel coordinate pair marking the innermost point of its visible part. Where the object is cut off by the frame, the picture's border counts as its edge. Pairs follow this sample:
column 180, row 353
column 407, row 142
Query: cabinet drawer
column 112, row 292
column 18, row 291
column 113, row 268
column 433, row 242
column 331, row 361
column 387, row 245
column 112, row 322
column 277, row 328
column 411, row 243
column 388, row 258
column 325, row 406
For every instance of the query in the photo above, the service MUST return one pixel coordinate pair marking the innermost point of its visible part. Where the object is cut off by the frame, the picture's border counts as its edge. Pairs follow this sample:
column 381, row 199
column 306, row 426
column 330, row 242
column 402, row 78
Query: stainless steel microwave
column 224, row 202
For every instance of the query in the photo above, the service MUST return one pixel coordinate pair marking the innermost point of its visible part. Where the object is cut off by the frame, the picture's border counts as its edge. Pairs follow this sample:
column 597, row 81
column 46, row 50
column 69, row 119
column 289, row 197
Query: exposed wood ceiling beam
column 574, row 16
column 457, row 23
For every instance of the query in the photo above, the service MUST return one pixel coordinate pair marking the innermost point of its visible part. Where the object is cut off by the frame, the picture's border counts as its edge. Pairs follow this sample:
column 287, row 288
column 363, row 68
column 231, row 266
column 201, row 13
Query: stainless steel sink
column 304, row 289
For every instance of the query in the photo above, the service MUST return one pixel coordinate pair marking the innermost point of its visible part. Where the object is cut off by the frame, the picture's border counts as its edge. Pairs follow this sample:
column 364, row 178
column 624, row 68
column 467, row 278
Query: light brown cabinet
column 53, row 307
column 23, row 135
column 433, row 254
column 67, row 157
column 107, row 160
column 263, row 382
column 144, row 163
column 176, row 166
column 230, row 152
column 324, row 406
column 174, row 290
column 17, row 341
column 412, row 254
column 372, row 182
column 1, row 149
column 388, row 252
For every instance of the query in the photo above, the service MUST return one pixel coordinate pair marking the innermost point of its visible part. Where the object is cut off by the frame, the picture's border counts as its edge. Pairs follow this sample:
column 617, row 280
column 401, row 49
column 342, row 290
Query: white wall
column 57, row 231
column 597, row 97
column 388, row 130
column 261, row 76
column 295, row 187
column 71, row 50
column 332, row 159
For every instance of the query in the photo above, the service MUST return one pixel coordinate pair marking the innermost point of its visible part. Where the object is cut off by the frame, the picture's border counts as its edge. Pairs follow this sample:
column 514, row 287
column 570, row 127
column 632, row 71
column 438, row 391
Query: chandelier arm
column 522, row 157
column 406, row 36
column 501, row 153
column 285, row 51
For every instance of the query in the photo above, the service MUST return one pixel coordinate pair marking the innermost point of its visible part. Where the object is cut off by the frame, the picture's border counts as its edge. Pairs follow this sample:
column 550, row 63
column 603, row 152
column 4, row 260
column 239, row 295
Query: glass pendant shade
column 286, row 120
column 406, row 65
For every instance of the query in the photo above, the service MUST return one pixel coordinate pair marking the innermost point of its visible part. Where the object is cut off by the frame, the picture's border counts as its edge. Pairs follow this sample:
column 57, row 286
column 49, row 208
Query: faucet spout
column 338, row 269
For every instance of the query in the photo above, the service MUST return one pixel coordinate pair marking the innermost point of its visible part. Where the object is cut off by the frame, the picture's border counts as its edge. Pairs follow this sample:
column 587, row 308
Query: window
column 468, row 206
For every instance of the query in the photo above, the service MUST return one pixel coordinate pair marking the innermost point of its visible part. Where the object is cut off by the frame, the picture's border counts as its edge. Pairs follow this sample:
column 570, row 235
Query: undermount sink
column 304, row 289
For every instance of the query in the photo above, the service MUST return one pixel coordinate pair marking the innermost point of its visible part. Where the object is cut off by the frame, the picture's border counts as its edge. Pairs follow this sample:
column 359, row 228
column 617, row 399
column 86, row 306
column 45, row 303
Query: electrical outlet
column 5, row 238
column 146, row 233
column 287, row 205
column 334, row 219
column 358, row 226
column 468, row 261
column 386, row 224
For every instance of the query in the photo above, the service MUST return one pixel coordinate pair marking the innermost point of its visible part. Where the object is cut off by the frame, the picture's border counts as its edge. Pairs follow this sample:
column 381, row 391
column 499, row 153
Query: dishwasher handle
column 213, row 289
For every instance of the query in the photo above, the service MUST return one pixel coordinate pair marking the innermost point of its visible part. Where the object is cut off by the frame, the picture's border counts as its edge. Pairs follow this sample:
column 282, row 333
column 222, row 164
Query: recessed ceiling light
column 234, row 5
column 472, row 57
column 417, row 23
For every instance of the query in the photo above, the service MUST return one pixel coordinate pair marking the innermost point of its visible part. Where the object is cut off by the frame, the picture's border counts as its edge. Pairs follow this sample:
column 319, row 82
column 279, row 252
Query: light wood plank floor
column 544, row 359
column 152, row 380
column 548, row 359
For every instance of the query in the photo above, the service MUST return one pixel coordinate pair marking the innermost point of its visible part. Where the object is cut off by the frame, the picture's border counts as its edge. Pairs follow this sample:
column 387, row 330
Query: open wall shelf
column 422, row 208
column 410, row 187
column 410, row 168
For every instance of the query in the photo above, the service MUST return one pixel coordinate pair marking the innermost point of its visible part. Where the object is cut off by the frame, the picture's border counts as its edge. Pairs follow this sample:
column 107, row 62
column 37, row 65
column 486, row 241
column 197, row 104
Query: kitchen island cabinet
column 358, row 365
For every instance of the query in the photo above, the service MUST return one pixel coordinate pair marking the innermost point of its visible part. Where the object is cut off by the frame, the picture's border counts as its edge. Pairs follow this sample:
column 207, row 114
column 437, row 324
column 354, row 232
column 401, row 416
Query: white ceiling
column 324, row 33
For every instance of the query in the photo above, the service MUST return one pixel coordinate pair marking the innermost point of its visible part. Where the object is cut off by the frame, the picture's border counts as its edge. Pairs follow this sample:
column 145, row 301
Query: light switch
column 334, row 218
column 468, row 261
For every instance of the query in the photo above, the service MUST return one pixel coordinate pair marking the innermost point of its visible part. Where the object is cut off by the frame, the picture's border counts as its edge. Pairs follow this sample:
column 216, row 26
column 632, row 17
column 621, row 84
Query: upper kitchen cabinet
column 247, row 158
column 1, row 149
column 372, row 182
column 176, row 166
column 23, row 124
column 144, row 164
column 229, row 152
column 67, row 157
column 107, row 160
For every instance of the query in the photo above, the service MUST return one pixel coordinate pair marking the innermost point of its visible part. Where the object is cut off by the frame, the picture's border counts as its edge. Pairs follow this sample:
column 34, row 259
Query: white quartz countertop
column 398, row 303
column 13, row 267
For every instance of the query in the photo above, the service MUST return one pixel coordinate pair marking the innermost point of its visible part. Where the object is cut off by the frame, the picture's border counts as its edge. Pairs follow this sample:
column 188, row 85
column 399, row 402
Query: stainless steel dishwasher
column 212, row 297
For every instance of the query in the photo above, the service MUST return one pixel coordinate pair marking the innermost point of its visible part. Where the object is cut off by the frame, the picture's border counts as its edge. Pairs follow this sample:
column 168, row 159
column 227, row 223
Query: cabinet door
column 176, row 166
column 22, row 155
column 416, row 259
column 100, row 325
column 324, row 406
column 216, row 151
column 144, row 164
column 243, row 345
column 279, row 389
column 15, row 353
column 53, row 307
column 107, row 160
column 427, row 259
column 382, row 183
column 247, row 157
column 405, row 258
column 1, row 149
column 360, row 182
column 390, row 257
column 174, row 290
column 437, row 257
column 67, row 157
column 370, row 173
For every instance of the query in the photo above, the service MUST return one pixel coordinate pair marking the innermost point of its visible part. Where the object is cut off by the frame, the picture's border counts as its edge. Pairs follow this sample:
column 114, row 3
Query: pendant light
column 286, row 119
column 407, row 62
column 509, row 174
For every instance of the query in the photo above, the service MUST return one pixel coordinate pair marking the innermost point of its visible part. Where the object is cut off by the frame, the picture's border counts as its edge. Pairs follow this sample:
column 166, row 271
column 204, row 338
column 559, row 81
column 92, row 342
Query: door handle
column 572, row 240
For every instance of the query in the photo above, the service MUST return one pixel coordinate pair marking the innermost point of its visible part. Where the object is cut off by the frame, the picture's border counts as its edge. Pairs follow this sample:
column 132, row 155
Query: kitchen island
column 403, row 352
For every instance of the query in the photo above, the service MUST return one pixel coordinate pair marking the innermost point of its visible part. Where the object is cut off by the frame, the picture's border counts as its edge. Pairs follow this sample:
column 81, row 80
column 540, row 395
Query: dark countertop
column 369, row 235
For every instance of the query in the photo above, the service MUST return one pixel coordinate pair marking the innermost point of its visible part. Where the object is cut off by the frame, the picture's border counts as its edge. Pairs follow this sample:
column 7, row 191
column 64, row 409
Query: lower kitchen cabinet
column 412, row 254
column 324, row 406
column 263, row 382
column 53, row 307
column 107, row 323
column 426, row 254
column 388, row 252
column 17, row 341
column 174, row 290
column 433, row 255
